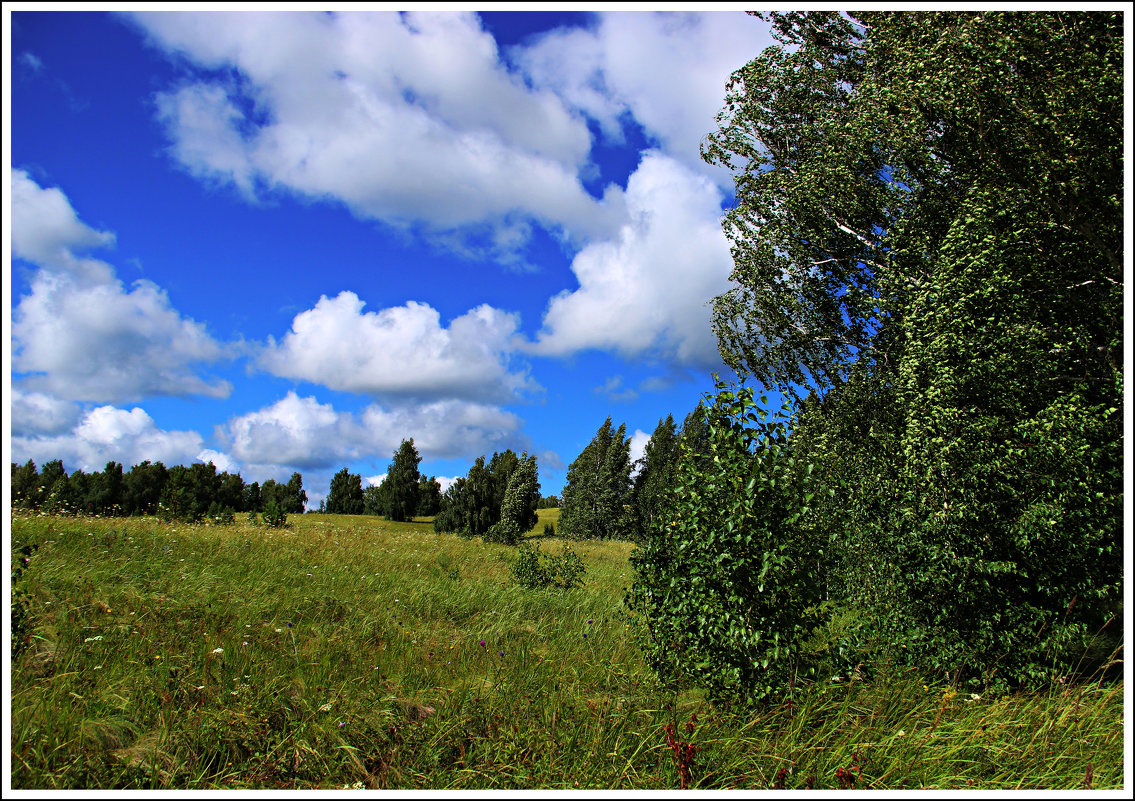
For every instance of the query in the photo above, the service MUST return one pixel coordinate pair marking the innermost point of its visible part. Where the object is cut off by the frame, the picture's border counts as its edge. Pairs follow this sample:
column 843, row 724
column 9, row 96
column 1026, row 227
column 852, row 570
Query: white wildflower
column 218, row 650
column 92, row 639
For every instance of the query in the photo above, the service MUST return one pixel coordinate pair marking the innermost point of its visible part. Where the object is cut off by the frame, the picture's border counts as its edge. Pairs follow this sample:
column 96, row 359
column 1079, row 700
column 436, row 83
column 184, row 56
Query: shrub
column 726, row 578
column 536, row 571
column 274, row 516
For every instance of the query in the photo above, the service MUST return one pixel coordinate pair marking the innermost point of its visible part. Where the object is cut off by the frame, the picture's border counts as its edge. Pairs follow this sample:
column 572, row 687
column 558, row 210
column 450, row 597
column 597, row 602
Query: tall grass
column 354, row 652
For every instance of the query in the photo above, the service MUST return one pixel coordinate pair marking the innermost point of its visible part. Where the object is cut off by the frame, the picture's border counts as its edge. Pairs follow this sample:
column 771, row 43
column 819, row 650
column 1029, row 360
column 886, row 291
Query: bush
column 726, row 576
column 536, row 571
column 274, row 516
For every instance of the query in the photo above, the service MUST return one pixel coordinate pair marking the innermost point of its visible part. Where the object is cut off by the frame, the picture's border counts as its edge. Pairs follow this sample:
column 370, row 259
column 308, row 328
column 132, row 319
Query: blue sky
column 285, row 241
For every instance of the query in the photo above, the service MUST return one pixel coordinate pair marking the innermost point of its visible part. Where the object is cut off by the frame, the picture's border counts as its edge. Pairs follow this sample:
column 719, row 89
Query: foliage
column 725, row 583
column 927, row 239
column 274, row 515
column 534, row 570
column 345, row 495
column 20, row 614
column 655, row 472
column 399, row 490
column 595, row 497
column 518, row 509
column 429, row 496
column 472, row 505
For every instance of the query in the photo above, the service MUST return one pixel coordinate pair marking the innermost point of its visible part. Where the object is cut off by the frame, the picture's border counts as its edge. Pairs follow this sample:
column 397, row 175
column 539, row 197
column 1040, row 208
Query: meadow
column 352, row 652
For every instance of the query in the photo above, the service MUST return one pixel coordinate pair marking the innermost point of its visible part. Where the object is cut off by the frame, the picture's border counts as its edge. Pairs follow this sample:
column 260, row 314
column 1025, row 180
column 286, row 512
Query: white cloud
column 406, row 118
column 666, row 69
column 304, row 433
column 107, row 433
column 639, row 439
column 647, row 291
column 80, row 334
column 402, row 350
column 47, row 231
column 222, row 461
column 35, row 413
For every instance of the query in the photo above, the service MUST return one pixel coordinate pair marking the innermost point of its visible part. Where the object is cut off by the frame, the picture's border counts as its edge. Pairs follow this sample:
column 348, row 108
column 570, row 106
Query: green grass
column 163, row 658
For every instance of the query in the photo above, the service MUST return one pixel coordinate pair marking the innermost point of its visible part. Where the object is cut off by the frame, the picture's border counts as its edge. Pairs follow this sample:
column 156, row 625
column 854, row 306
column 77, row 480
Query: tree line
column 192, row 493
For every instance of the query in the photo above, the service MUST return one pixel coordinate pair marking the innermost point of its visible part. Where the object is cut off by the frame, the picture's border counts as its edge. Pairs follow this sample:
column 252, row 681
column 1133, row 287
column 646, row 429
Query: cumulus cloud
column 80, row 334
column 402, row 350
column 639, row 440
column 406, row 118
column 107, row 433
column 34, row 413
column 665, row 69
column 646, row 291
column 302, row 432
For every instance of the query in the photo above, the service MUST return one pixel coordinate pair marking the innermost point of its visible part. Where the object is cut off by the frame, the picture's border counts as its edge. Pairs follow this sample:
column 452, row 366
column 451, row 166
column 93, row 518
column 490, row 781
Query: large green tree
column 655, row 472
column 345, row 495
column 927, row 241
column 400, row 488
column 518, row 507
column 595, row 500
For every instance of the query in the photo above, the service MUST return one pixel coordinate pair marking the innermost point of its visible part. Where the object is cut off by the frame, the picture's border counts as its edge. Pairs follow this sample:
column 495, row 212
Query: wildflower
column 279, row 631
column 244, row 643
column 92, row 639
column 589, row 622
column 902, row 733
column 218, row 650
column 502, row 653
column 309, row 574
column 341, row 724
column 289, row 624
column 482, row 643
column 585, row 636
column 326, row 707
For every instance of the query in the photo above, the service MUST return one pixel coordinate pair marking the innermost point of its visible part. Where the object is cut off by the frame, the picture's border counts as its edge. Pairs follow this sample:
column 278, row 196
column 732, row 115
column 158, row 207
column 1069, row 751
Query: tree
column 518, row 508
column 252, row 497
column 598, row 488
column 429, row 496
column 345, row 496
column 401, row 484
column 49, row 478
column 142, row 488
column 231, row 492
column 723, row 579
column 655, row 472
column 927, row 241
column 25, row 485
column 373, row 501
column 294, row 499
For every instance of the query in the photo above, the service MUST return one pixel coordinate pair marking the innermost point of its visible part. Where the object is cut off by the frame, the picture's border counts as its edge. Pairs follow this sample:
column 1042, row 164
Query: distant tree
column 518, row 508
column 252, row 497
column 598, row 488
column 179, row 497
column 655, row 472
column 550, row 502
column 106, row 491
column 453, row 510
column 142, row 488
column 50, row 475
column 345, row 496
column 374, row 502
column 429, row 496
column 231, row 492
column 295, row 499
column 25, row 485
column 402, row 483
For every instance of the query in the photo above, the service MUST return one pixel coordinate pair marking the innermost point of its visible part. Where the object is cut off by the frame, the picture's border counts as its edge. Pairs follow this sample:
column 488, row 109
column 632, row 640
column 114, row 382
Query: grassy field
column 351, row 652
